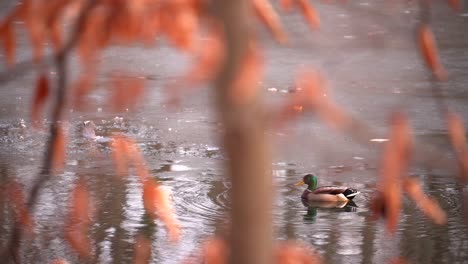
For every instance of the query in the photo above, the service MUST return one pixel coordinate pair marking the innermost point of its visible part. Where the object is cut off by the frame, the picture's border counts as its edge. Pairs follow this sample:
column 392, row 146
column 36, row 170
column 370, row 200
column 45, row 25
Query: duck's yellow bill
column 300, row 183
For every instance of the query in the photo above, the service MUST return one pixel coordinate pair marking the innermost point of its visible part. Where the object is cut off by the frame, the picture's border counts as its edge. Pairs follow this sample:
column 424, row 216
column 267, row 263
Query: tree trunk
column 247, row 147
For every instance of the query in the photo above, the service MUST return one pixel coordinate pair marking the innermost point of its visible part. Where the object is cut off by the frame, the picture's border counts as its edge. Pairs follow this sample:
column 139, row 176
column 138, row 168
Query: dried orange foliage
column 83, row 85
column 269, row 17
column 393, row 180
column 79, row 220
column 126, row 153
column 387, row 200
column 40, row 96
column 119, row 154
column 95, row 34
column 59, row 261
column 311, row 95
column 158, row 205
column 398, row 260
column 457, row 134
column 428, row 48
column 142, row 250
column 208, row 58
column 286, row 4
column 107, row 22
column 59, row 149
column 295, row 253
column 309, row 13
column 179, row 22
column 42, row 19
column 429, row 206
column 455, row 4
column 156, row 200
column 18, row 202
column 126, row 91
column 245, row 85
column 216, row 251
column 7, row 36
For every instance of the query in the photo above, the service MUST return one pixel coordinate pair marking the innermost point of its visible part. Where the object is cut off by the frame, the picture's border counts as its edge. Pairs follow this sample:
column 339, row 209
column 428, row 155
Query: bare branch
column 60, row 60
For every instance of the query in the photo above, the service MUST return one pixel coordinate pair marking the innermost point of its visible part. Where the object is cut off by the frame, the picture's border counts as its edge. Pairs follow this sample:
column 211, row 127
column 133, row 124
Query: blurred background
column 368, row 52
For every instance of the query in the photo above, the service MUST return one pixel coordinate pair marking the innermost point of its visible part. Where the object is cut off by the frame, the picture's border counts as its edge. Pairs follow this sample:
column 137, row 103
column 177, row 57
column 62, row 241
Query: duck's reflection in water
column 313, row 207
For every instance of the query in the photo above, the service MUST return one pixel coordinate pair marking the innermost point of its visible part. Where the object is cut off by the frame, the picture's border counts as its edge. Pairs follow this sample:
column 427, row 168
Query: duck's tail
column 350, row 193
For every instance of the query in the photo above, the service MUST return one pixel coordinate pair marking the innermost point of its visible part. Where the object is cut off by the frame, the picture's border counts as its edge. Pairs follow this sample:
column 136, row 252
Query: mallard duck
column 325, row 193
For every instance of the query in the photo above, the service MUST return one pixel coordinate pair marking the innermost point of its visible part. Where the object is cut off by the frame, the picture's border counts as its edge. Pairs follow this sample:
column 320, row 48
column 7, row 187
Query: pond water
column 373, row 66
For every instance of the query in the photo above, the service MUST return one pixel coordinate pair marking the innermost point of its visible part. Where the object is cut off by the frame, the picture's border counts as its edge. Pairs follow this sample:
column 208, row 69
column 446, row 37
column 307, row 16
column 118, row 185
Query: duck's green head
column 310, row 180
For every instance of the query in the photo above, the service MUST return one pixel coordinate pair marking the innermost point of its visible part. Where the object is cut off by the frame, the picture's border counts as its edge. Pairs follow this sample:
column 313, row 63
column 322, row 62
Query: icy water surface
column 370, row 59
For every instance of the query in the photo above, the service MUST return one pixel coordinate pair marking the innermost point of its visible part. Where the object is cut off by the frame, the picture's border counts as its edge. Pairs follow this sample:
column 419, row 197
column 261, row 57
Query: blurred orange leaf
column 79, row 220
column 457, row 134
column 59, row 261
column 245, row 85
column 84, row 84
column 313, row 96
column 126, row 25
column 150, row 29
column 179, row 21
column 20, row 209
column 207, row 62
column 7, row 35
column 290, row 252
column 126, row 153
column 56, row 36
column 215, row 251
column 126, row 91
column 309, row 13
column 79, row 242
column 157, row 204
column 142, row 250
column 455, row 4
column 81, row 204
column 94, row 35
column 59, row 149
column 40, row 95
column 429, row 206
column 156, row 200
column 387, row 200
column 287, row 4
column 269, row 17
column 398, row 260
column 37, row 36
column 119, row 155
column 428, row 47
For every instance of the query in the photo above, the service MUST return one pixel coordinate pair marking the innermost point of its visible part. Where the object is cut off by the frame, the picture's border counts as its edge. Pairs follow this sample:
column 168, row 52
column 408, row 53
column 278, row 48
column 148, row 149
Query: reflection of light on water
column 133, row 208
column 379, row 140
column 179, row 167
column 350, row 242
column 106, row 246
column 278, row 173
column 320, row 238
